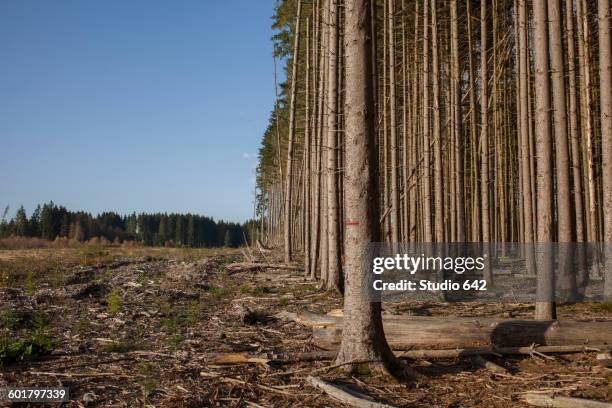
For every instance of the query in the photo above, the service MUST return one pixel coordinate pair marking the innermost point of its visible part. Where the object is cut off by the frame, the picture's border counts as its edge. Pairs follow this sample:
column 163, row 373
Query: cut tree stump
column 408, row 332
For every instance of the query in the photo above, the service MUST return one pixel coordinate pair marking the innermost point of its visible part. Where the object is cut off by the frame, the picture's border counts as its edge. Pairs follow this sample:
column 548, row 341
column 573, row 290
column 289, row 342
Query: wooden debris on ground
column 238, row 267
column 604, row 359
column 481, row 362
column 326, row 355
column 346, row 395
column 178, row 315
column 543, row 400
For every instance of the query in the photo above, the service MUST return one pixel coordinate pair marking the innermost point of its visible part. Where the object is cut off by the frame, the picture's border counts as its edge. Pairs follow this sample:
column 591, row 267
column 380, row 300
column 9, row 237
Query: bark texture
column 363, row 337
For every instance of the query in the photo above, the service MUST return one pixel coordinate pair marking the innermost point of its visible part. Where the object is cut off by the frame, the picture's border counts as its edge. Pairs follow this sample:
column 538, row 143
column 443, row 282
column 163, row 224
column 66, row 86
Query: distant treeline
column 51, row 221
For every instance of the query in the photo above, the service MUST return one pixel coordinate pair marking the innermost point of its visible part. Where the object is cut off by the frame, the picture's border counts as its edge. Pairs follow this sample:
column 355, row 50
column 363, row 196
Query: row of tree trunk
column 437, row 121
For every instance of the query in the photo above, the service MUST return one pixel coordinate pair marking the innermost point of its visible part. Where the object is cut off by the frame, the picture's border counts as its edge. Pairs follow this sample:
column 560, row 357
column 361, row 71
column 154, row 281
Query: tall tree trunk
column 292, row 110
column 324, row 143
column 484, row 138
column 307, row 161
column 363, row 337
column 560, row 121
column 394, row 189
column 586, row 116
column 384, row 173
column 406, row 164
column 545, row 306
column 437, row 135
column 475, row 213
column 316, row 221
column 413, row 186
column 573, row 123
column 427, row 232
column 564, row 209
column 458, row 124
column 605, row 95
column 276, row 119
column 334, row 277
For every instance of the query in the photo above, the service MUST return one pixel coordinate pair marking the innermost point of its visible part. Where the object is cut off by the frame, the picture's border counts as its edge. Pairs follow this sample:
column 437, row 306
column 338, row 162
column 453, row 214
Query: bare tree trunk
column 560, row 120
column 427, row 232
column 484, row 138
column 307, row 161
column 334, row 277
column 324, row 143
column 545, row 306
column 405, row 115
column 605, row 95
column 292, row 109
column 394, row 189
column 437, row 135
column 458, row 124
column 276, row 119
column 413, row 186
column 586, row 116
column 384, row 173
column 573, row 123
column 564, row 209
column 517, row 82
column 363, row 337
column 317, row 157
column 475, row 225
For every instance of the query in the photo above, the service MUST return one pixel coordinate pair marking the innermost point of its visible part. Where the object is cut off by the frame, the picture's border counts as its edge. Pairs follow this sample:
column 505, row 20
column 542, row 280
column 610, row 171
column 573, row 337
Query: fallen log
column 250, row 266
column 325, row 355
column 543, row 400
column 345, row 394
column 494, row 351
column 407, row 332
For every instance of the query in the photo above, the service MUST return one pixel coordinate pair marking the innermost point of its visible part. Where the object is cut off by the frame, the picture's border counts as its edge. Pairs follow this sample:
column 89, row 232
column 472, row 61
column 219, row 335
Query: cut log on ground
column 543, row 400
column 248, row 266
column 323, row 355
column 345, row 395
column 528, row 350
column 408, row 332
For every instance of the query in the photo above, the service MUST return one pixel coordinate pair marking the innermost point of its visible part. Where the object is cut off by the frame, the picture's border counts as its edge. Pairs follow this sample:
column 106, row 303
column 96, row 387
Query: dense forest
column 492, row 123
column 437, row 121
column 51, row 221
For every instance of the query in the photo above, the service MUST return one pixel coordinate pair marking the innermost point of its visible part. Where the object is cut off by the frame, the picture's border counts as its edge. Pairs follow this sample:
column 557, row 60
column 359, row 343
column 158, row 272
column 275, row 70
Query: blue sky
column 137, row 105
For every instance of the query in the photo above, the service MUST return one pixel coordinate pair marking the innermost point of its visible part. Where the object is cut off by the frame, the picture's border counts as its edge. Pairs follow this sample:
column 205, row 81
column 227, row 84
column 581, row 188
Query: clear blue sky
column 134, row 105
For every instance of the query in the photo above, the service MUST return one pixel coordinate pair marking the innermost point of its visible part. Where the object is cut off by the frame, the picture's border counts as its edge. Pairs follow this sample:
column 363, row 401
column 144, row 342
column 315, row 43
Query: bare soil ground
column 134, row 327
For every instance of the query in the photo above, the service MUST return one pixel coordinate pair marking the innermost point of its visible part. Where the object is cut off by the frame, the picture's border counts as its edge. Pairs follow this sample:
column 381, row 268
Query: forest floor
column 135, row 327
